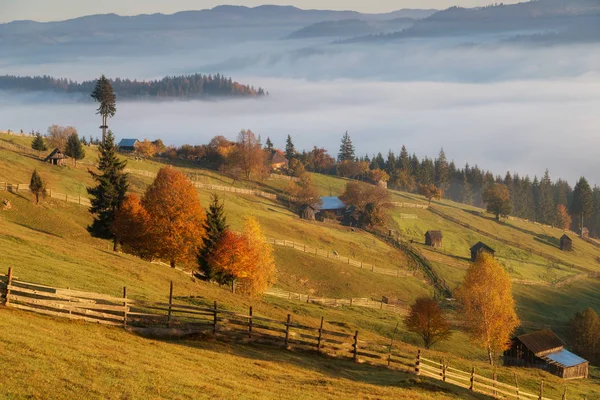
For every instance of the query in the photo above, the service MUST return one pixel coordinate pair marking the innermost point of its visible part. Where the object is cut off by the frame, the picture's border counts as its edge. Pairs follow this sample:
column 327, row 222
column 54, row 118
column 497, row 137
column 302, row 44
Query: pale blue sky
column 52, row 10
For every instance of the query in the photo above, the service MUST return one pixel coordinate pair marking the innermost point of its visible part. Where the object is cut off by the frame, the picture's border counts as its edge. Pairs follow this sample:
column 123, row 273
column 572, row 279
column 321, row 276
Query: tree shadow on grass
column 548, row 240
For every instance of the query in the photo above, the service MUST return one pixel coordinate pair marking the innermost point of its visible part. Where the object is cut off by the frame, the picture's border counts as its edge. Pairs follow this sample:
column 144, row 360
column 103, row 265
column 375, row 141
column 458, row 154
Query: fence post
column 125, row 307
column 287, row 330
column 355, row 345
column 350, row 301
column 418, row 363
column 170, row 305
column 494, row 384
column 320, row 335
column 215, row 319
column 472, row 386
column 564, row 396
column 80, row 199
column 381, row 306
column 8, row 283
column 517, row 385
column 442, row 370
column 541, row 390
column 250, row 323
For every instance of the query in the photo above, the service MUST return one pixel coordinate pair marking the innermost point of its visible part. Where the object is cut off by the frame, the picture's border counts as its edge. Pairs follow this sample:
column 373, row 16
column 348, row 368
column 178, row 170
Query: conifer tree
column 109, row 192
column 466, row 195
column 215, row 227
column 269, row 145
column 442, row 172
column 290, row 150
column 583, row 201
column 346, row 149
column 547, row 208
column 37, row 186
column 103, row 93
column 74, row 148
column 38, row 143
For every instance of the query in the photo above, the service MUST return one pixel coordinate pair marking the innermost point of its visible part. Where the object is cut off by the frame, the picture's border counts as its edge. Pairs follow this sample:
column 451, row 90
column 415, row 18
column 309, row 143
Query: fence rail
column 170, row 317
column 408, row 205
column 53, row 194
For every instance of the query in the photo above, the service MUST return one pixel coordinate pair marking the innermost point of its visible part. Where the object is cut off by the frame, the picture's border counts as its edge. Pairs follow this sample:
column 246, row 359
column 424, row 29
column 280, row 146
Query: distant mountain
column 351, row 28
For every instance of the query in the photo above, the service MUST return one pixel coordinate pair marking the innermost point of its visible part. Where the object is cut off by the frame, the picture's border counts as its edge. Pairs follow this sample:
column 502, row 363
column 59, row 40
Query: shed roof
column 565, row 358
column 56, row 154
column 278, row 158
column 128, row 142
column 482, row 246
column 541, row 342
column 565, row 237
column 330, row 203
column 435, row 234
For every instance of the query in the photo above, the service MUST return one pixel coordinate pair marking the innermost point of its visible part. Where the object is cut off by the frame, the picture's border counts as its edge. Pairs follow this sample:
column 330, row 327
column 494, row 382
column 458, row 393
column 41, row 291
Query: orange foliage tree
column 430, row 191
column 131, row 228
column 175, row 217
column 246, row 258
column 146, row 148
column 487, row 305
column 426, row 319
column 563, row 219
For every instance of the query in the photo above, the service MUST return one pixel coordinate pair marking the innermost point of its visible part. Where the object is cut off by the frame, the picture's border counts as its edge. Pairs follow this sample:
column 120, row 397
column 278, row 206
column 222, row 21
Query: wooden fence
column 53, row 194
column 408, row 205
column 284, row 177
column 332, row 255
column 209, row 186
column 180, row 318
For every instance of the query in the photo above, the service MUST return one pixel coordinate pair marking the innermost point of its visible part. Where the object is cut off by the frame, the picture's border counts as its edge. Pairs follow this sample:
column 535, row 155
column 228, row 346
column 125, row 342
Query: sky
column 46, row 10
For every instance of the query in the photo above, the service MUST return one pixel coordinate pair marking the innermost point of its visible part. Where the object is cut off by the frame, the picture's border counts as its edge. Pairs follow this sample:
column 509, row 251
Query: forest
column 178, row 87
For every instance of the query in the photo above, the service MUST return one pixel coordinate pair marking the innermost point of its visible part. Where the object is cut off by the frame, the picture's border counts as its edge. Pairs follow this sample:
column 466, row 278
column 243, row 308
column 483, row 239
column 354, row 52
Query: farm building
column 544, row 350
column 566, row 243
column 434, row 239
column 56, row 157
column 331, row 206
column 128, row 145
column 480, row 247
column 279, row 162
column 308, row 213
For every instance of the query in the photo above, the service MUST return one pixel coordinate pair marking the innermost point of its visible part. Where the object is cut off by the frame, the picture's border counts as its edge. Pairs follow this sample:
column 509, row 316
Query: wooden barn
column 279, row 162
column 544, row 350
column 566, row 243
column 480, row 247
column 308, row 213
column 434, row 239
column 56, row 157
column 128, row 145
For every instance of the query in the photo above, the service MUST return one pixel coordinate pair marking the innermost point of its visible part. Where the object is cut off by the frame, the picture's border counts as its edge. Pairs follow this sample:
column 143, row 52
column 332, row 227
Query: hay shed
column 566, row 243
column 434, row 239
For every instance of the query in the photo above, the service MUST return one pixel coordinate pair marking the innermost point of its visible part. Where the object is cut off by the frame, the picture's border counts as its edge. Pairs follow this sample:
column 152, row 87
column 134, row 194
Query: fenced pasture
column 53, row 194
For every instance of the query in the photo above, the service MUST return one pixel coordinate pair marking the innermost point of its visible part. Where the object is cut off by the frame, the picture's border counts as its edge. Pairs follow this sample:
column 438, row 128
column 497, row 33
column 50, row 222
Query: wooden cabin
column 308, row 213
column 566, row 243
column 279, row 162
column 544, row 350
column 128, row 145
column 331, row 207
column 434, row 239
column 56, row 157
column 479, row 248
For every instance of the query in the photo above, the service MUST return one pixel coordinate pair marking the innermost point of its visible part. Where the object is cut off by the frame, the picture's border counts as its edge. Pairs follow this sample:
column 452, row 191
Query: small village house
column 308, row 213
column 56, row 157
column 566, row 243
column 544, row 350
column 434, row 239
column 330, row 207
column 128, row 145
column 279, row 162
column 480, row 247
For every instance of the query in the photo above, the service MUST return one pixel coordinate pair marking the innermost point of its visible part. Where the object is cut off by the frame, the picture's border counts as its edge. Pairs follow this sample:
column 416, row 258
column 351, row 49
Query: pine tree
column 442, row 173
column 547, row 207
column 74, row 148
column 109, row 192
column 38, row 143
column 290, row 150
column 37, row 186
column 269, row 145
column 103, row 93
column 215, row 227
column 346, row 149
column 583, row 201
column 466, row 195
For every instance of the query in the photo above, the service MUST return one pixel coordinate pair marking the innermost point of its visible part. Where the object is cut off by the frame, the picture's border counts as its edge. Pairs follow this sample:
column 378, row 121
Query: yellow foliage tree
column 146, row 148
column 487, row 305
column 175, row 217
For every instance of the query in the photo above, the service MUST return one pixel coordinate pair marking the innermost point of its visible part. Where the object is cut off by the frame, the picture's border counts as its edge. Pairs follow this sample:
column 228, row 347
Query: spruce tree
column 466, row 195
column 215, row 227
column 583, row 201
column 37, row 186
column 442, row 173
column 547, row 210
column 269, row 145
column 109, row 192
column 290, row 150
column 346, row 149
column 74, row 148
column 103, row 93
column 38, row 143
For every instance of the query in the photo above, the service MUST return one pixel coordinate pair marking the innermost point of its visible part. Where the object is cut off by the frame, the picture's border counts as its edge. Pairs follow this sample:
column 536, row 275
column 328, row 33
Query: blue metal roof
column 127, row 142
column 331, row 203
column 565, row 358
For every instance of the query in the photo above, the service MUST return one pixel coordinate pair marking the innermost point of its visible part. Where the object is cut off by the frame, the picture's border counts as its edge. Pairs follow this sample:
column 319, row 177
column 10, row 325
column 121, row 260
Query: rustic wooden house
column 479, row 248
column 434, row 239
column 566, row 243
column 308, row 213
column 56, row 157
column 544, row 350
column 331, row 207
column 279, row 162
column 128, row 145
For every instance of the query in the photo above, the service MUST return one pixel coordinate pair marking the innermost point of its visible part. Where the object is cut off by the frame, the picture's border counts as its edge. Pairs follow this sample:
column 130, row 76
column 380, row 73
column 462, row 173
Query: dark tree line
column 181, row 87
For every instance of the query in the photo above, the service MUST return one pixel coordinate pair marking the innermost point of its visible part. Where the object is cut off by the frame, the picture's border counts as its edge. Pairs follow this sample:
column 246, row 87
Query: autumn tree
column 74, row 148
column 131, row 228
column 370, row 203
column 582, row 205
column 487, row 305
column 146, row 148
column 109, row 192
column 104, row 94
column 318, row 160
column 497, row 200
column 430, row 191
column 215, row 227
column 377, row 175
column 353, row 169
column 247, row 155
column 563, row 219
column 303, row 192
column 38, row 143
column 175, row 216
column 585, row 333
column 57, row 136
column 426, row 319
column 296, row 168
column 37, row 186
